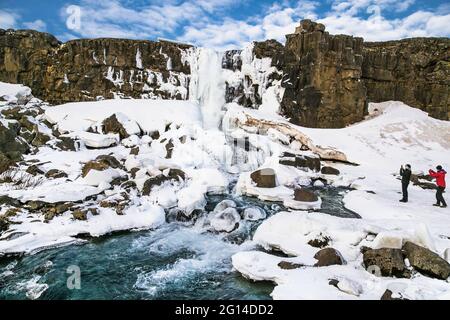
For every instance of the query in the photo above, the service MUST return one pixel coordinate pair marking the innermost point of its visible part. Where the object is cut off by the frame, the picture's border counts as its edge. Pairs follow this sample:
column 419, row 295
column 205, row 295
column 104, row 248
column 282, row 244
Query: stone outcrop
column 415, row 71
column 87, row 69
column 426, row 261
column 322, row 75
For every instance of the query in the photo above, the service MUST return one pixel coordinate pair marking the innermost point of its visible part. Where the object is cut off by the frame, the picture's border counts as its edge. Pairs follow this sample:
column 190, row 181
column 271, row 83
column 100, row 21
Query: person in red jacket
column 440, row 181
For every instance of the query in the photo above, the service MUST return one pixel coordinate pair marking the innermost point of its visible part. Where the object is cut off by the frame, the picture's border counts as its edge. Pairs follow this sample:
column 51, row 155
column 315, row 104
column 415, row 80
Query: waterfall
column 207, row 86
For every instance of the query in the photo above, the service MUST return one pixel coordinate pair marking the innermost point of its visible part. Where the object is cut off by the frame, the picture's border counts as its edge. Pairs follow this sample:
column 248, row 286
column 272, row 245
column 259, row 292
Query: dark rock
column 110, row 160
column 40, row 139
column 389, row 262
column 177, row 174
column 119, row 180
column 34, row 170
column 305, row 195
column 66, row 144
column 330, row 170
column 8, row 201
column 55, row 174
column 287, row 265
column 300, row 161
column 112, row 125
column 134, row 151
column 79, row 215
column 264, row 178
column 4, row 224
column 35, row 205
column 133, row 172
column 128, row 185
column 63, row 207
column 93, row 165
column 328, row 257
column 10, row 144
column 169, row 149
column 426, row 261
column 152, row 182
column 387, row 295
column 5, row 163
column 320, row 242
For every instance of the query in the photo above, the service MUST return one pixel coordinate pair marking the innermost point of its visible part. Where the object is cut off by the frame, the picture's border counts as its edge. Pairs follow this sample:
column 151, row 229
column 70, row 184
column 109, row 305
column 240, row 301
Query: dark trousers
column 439, row 197
column 405, row 191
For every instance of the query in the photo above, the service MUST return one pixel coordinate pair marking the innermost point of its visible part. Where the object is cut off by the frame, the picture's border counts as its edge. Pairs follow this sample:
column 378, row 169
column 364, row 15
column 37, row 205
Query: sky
column 225, row 24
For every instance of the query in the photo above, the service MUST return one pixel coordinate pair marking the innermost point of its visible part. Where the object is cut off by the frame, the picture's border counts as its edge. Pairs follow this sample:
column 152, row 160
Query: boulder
column 79, row 215
column 386, row 262
column 152, row 182
column 5, row 163
column 34, row 170
column 305, row 196
column 319, row 242
column 328, row 257
column 10, row 145
column 330, row 170
column 40, row 139
column 426, row 261
column 264, row 178
column 101, row 163
column 300, row 161
column 387, row 295
column 55, row 174
column 93, row 165
column 110, row 160
column 112, row 125
column 134, row 151
column 287, row 265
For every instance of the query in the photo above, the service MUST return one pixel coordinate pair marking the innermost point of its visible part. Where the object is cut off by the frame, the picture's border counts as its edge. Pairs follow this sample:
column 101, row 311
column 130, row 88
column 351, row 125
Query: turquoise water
column 176, row 261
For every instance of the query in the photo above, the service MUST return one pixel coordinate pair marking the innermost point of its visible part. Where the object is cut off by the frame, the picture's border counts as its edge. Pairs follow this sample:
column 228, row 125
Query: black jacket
column 406, row 175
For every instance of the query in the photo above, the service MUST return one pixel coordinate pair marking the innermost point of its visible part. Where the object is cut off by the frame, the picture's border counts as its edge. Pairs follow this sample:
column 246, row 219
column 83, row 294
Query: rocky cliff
column 327, row 80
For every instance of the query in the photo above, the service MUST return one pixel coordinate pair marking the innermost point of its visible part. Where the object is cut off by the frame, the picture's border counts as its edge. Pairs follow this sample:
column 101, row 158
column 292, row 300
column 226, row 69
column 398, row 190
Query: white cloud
column 114, row 18
column 205, row 22
column 8, row 19
column 36, row 25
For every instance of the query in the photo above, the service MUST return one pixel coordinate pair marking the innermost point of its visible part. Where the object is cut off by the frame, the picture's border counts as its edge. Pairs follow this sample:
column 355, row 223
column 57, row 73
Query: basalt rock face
column 415, row 71
column 322, row 75
column 329, row 79
column 91, row 69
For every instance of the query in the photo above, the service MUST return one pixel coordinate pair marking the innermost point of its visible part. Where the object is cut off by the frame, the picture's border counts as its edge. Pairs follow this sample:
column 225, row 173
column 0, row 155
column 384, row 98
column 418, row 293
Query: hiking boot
column 402, row 200
column 444, row 206
column 436, row 205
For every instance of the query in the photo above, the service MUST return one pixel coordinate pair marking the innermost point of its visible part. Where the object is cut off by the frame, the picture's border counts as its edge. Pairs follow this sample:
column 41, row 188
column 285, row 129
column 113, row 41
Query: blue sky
column 225, row 23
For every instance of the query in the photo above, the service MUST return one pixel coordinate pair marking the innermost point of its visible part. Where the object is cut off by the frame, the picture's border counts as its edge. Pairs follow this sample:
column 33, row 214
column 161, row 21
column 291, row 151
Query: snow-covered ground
column 394, row 134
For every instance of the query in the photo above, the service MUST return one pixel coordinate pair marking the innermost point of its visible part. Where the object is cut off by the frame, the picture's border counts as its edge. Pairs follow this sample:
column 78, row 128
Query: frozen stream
column 176, row 261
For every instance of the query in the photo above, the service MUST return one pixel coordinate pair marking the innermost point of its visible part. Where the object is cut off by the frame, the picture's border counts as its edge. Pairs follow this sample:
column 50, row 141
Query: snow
column 62, row 229
column 11, row 92
column 151, row 115
column 96, row 178
column 138, row 59
column 95, row 140
column 392, row 135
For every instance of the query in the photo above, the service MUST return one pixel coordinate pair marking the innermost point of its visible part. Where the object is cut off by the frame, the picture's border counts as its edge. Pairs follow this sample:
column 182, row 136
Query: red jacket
column 440, row 177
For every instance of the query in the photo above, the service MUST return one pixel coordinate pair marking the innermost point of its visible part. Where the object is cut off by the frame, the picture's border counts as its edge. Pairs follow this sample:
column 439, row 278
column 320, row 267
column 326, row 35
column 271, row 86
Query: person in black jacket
column 405, row 173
